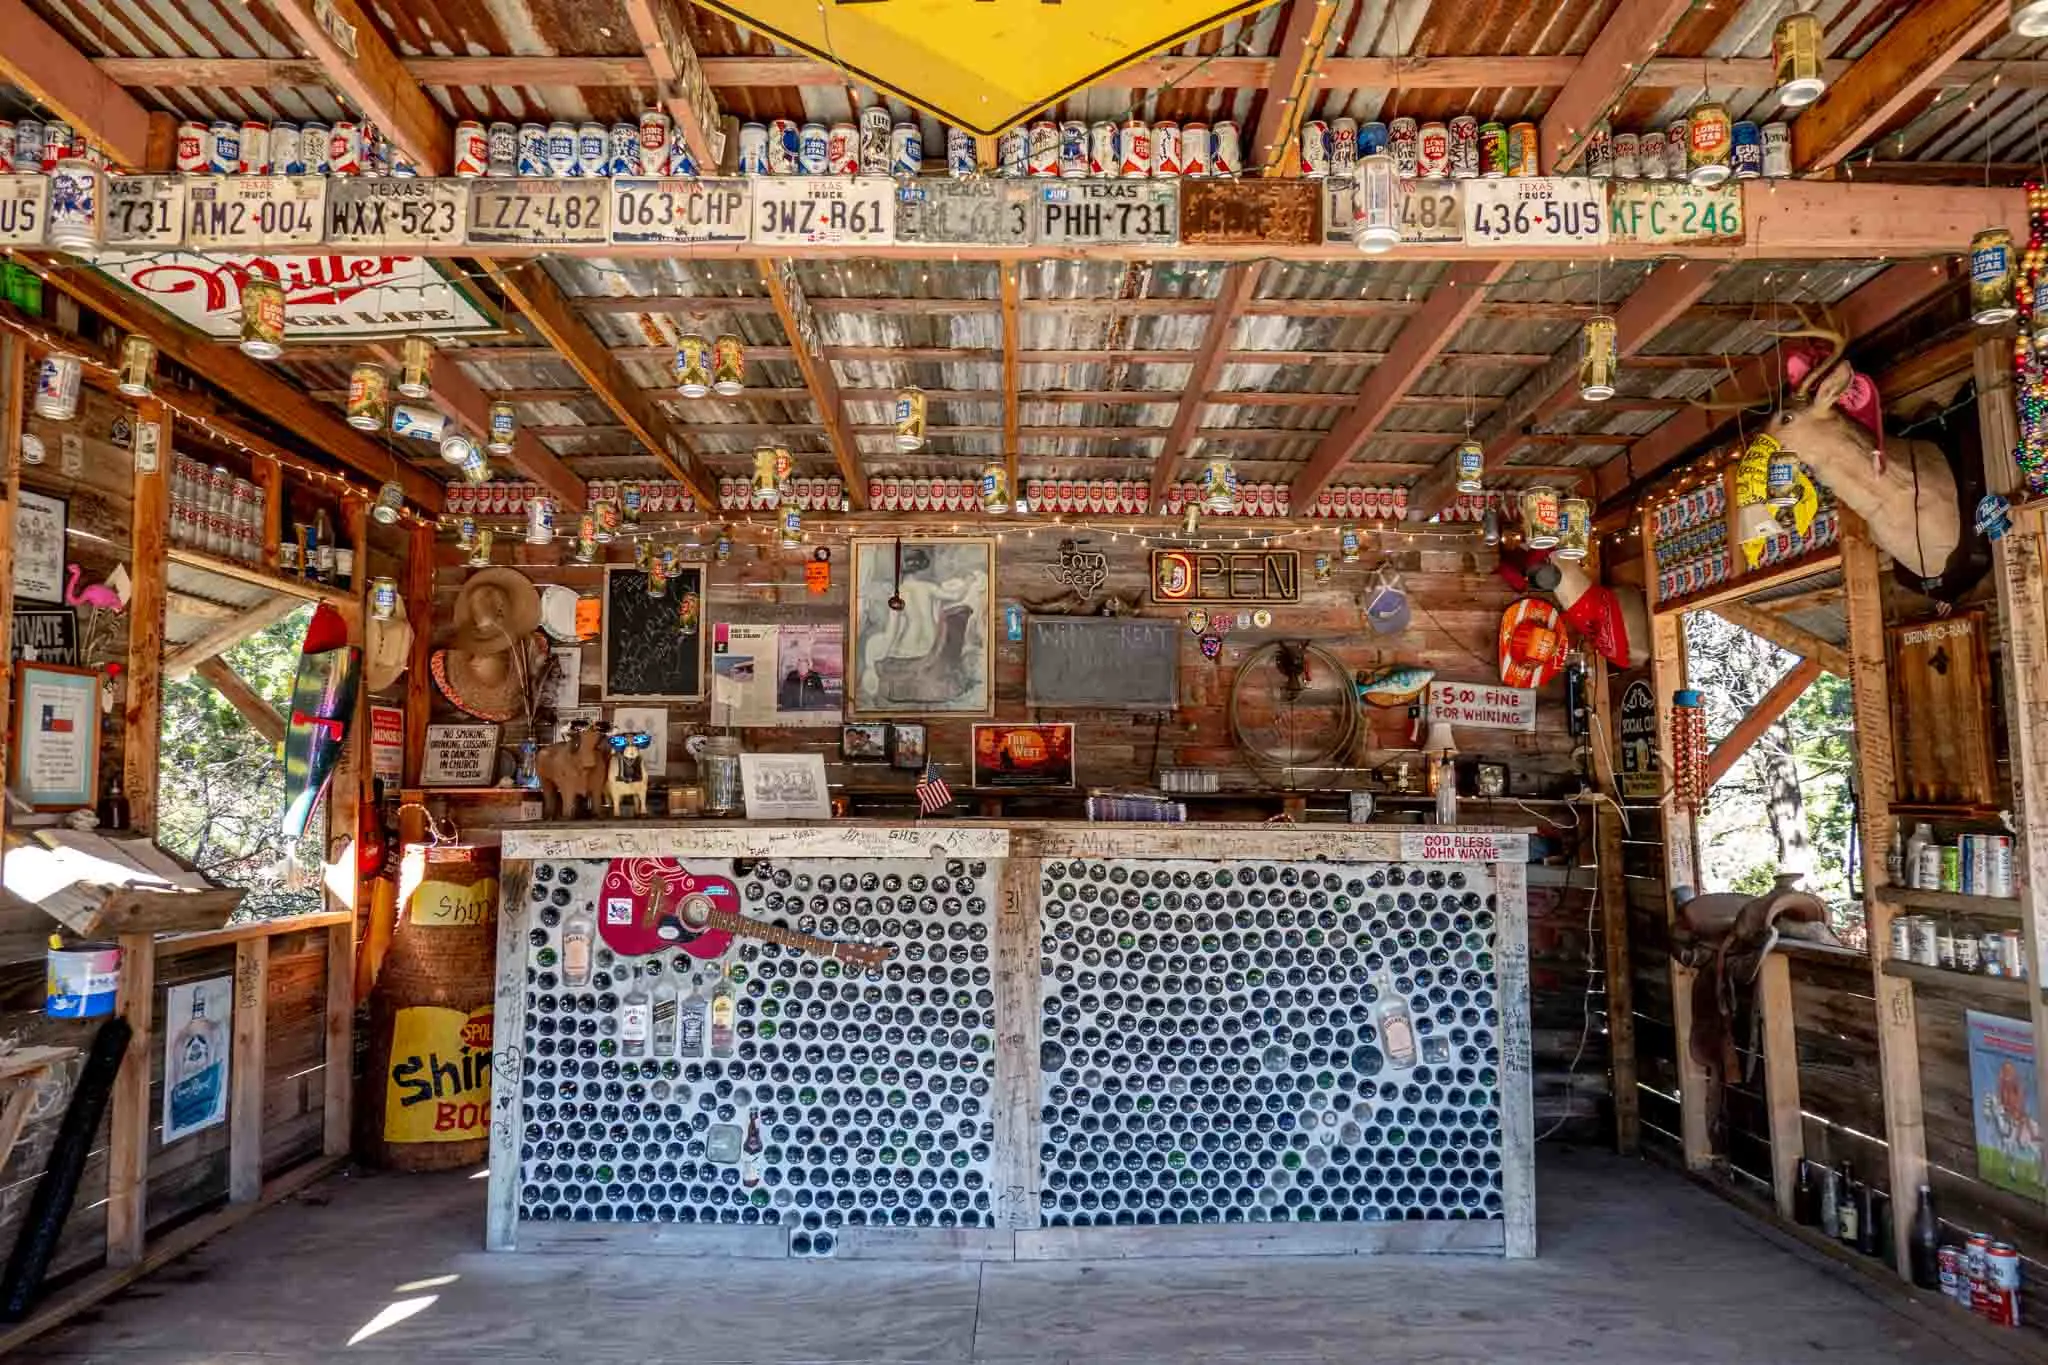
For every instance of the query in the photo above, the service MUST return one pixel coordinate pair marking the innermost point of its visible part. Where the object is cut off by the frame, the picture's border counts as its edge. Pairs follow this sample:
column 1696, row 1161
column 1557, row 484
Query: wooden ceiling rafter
column 58, row 76
column 1891, row 77
column 373, row 78
column 1634, row 30
column 218, row 640
column 791, row 307
column 457, row 395
column 248, row 703
column 1239, row 283
column 675, row 71
column 1297, row 53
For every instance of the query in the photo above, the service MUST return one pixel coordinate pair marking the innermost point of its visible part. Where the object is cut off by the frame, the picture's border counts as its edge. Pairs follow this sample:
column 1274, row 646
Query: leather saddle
column 1724, row 937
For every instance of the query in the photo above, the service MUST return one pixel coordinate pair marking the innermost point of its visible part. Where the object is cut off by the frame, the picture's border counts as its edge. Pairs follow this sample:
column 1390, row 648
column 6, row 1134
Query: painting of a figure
column 929, row 652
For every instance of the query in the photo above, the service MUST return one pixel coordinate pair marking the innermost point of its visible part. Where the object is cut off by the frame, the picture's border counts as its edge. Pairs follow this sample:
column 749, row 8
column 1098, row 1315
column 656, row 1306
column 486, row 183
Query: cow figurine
column 574, row 767
column 628, row 780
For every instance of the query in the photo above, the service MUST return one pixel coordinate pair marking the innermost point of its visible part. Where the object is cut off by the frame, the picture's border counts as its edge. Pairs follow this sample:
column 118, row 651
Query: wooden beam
column 1276, row 137
column 679, row 78
column 456, row 394
column 1891, row 76
column 1786, row 636
column 128, row 1127
column 13, row 401
column 186, row 658
column 337, row 1057
column 793, row 308
column 419, row 610
column 1240, row 281
column 1761, row 717
column 1422, row 340
column 142, row 708
column 354, row 55
column 1012, row 402
column 1634, row 30
column 529, row 288
column 1611, row 887
column 246, row 1071
column 1781, row 1079
column 248, row 703
column 59, row 77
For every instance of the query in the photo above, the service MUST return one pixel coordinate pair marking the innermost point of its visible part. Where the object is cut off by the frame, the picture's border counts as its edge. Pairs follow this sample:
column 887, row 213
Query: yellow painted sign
column 981, row 65
column 437, row 1080
column 452, row 905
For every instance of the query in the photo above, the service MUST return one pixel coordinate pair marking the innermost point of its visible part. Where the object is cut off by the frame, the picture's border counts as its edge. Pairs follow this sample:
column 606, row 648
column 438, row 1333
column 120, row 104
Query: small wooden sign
column 460, row 756
column 1249, row 212
column 1941, row 712
column 1483, row 706
column 1183, row 577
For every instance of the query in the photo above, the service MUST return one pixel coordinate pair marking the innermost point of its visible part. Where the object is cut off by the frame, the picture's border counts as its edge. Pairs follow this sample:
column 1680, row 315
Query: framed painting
column 56, row 736
column 919, row 634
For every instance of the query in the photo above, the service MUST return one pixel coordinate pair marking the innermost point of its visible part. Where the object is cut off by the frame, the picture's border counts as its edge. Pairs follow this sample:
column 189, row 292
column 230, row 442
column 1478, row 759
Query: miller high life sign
column 325, row 295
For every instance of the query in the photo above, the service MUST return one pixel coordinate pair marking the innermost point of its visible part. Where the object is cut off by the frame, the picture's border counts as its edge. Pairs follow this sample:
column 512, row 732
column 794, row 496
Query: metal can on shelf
column 1402, row 136
column 785, row 147
column 1464, row 132
column 961, row 162
column 1746, row 150
column 1134, row 149
column 501, row 149
column 1344, row 147
column 2002, row 1285
column 1042, row 149
column 874, row 125
column 1951, row 871
column 1628, row 164
column 906, row 151
column 1522, row 153
column 814, row 149
column 533, row 150
column 1777, row 143
column 472, row 155
column 1013, row 152
column 593, row 151
column 1165, row 150
column 1197, row 150
column 286, row 157
column 1226, row 152
column 1432, row 152
column 1921, row 944
column 1651, row 154
column 842, row 150
column 1315, row 149
column 753, row 149
column 1493, row 151
column 191, row 147
column 1073, row 149
column 316, row 145
column 1102, row 149
column 1599, row 158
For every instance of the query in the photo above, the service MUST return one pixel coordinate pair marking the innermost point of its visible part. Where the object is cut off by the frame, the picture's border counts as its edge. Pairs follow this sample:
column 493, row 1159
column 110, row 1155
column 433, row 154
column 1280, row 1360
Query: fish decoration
column 323, row 702
column 1395, row 685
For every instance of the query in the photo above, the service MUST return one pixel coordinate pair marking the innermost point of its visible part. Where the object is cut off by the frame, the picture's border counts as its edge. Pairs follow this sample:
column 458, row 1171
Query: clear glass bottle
column 577, row 934
column 1397, row 1029
column 634, row 1013
column 724, row 1016
column 662, row 1022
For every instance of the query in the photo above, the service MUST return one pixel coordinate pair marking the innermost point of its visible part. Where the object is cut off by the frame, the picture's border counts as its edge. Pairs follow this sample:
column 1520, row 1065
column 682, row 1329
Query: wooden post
column 1898, row 1035
column 1612, row 889
column 419, row 609
column 1014, row 1153
column 13, row 376
column 1781, row 1079
column 129, row 1126
column 339, row 1089
column 245, row 1079
column 142, row 718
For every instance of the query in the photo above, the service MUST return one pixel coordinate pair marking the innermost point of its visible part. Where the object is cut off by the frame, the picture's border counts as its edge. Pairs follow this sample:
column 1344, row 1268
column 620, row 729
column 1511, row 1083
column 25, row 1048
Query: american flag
column 933, row 795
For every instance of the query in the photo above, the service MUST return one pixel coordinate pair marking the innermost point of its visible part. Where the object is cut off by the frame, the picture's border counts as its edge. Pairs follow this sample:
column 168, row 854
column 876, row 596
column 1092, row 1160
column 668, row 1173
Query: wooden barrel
column 425, row 1101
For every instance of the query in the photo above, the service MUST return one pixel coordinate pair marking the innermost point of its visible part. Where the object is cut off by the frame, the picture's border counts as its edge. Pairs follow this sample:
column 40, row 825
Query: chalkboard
column 1110, row 663
column 646, row 653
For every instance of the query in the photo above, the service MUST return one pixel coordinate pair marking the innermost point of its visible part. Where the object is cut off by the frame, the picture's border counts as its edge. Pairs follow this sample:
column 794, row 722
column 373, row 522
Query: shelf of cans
column 1677, row 578
column 1934, row 941
column 214, row 511
column 512, row 499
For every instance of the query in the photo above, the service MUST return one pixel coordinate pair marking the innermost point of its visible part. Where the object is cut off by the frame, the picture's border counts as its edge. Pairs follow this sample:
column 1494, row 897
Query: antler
column 1826, row 330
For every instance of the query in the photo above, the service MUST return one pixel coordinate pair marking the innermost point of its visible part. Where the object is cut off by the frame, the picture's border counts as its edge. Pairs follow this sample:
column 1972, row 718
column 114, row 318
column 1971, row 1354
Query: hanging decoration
column 389, row 503
column 1689, row 748
column 138, row 365
column 504, row 428
column 1795, row 57
column 728, row 365
column 910, row 417
column 1597, row 359
column 456, row 448
column 1991, row 278
column 767, row 492
column 2030, row 367
column 995, row 489
column 1219, row 487
column 369, row 396
column 1574, row 528
column 262, row 318
column 1471, row 463
column 792, row 528
column 57, row 381
column 1539, row 516
column 416, row 367
column 2030, row 18
column 693, row 370
column 540, row 521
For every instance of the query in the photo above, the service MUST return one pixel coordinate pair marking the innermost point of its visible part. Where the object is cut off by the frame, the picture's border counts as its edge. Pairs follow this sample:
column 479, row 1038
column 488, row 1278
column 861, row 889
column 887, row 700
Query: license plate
column 145, row 210
column 540, row 212
column 244, row 212
column 393, row 212
column 24, row 209
column 1653, row 211
column 1431, row 211
column 965, row 212
column 823, row 210
column 681, row 210
column 1534, row 211
column 1106, row 212
column 1275, row 212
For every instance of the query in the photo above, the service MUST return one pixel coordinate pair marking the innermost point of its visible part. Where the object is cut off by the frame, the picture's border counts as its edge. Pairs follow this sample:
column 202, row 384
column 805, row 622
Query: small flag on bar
column 933, row 795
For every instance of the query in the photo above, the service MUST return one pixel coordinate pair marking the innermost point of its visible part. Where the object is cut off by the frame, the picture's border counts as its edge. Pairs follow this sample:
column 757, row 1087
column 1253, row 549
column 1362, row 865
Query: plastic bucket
column 82, row 981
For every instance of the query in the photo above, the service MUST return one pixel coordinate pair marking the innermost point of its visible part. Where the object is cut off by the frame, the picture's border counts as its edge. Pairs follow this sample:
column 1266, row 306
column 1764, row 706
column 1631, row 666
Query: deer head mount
column 1905, row 490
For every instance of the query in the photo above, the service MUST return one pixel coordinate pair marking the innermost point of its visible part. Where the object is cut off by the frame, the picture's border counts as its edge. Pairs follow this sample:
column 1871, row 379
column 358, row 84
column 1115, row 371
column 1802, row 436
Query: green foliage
column 221, row 785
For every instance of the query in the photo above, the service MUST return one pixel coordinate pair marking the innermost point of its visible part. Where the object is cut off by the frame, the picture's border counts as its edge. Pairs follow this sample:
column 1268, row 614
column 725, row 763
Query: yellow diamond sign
column 981, row 65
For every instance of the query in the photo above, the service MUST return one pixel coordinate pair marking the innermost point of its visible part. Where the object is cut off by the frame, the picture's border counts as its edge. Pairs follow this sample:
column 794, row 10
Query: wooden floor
column 1636, row 1265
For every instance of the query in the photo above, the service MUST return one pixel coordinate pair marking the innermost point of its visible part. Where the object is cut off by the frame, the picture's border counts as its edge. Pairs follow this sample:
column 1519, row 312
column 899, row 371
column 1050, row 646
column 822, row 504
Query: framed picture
column 1023, row 755
column 198, row 1031
column 864, row 743
column 649, row 652
column 56, row 736
column 931, row 653
column 785, row 787
column 39, row 526
column 907, row 746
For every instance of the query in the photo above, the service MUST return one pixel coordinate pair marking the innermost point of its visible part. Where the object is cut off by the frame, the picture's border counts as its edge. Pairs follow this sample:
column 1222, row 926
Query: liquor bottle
column 1397, row 1030
column 320, row 562
column 750, row 1153
column 663, row 1019
column 1874, row 1226
column 1850, row 1202
column 198, row 1067
column 724, row 1009
column 577, row 933
column 1830, row 1202
column 1895, row 857
column 1922, row 836
column 692, row 1026
column 1925, row 1246
column 634, row 1010
column 114, row 808
column 1806, row 1196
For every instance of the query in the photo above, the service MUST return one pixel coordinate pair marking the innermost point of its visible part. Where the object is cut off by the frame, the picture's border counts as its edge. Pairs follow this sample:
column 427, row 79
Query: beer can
column 368, row 396
column 1102, row 150
column 1226, row 151
column 7, row 143
column 1920, row 940
column 503, row 429
column 262, row 317
column 383, row 590
column 472, row 155
column 1493, row 151
column 693, row 367
column 1344, row 147
column 1522, row 155
column 223, row 148
column 540, row 521
column 1372, row 138
column 191, row 150
column 1073, row 149
column 75, row 204
column 533, row 150
column 501, row 150
column 57, row 384
column 285, row 157
column 1165, row 150
column 1013, row 152
column 1902, row 938
column 561, row 149
column 622, row 149
column 395, row 162
column 593, row 151
column 416, row 367
column 1599, row 158
column 2002, row 1284
column 1401, row 142
column 910, row 419
column 1991, row 953
column 1432, row 152
column 1315, row 149
column 314, row 140
column 814, row 149
column 57, row 144
column 682, row 160
column 906, row 151
column 138, row 362
column 1997, row 879
column 1777, row 140
column 1951, row 868
column 753, row 149
column 255, row 141
column 1745, row 150
column 1948, row 1260
column 784, row 146
column 1711, row 145
column 874, row 140
column 1677, row 142
column 345, row 148
column 842, row 150
column 1628, row 163
column 1134, row 149
column 1465, row 147
column 1651, row 154
column 1969, row 951
column 1197, row 150
column 961, row 161
column 655, row 132
column 25, row 146
column 728, row 365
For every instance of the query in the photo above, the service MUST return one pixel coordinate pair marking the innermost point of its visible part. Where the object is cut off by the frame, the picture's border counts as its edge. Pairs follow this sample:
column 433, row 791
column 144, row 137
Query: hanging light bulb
column 138, row 364
column 1991, row 277
column 693, row 368
column 1471, row 464
column 1795, row 57
column 416, row 368
column 1219, row 487
column 1596, row 359
column 262, row 318
column 995, row 489
column 1376, row 218
column 910, row 406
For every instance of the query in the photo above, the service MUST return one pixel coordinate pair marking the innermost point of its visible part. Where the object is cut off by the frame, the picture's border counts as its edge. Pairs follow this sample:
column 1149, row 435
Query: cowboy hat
column 494, row 607
column 488, row 686
column 558, row 613
column 388, row 649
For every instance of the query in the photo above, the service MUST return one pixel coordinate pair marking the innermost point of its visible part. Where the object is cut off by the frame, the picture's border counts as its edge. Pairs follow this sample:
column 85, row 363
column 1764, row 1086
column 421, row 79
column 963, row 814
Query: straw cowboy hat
column 495, row 607
column 488, row 686
column 481, row 671
column 388, row 649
